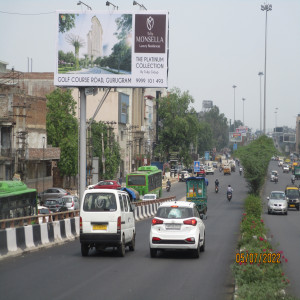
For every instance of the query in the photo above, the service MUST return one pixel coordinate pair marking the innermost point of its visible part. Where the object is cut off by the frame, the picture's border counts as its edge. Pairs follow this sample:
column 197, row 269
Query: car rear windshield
column 174, row 212
column 99, row 202
column 50, row 202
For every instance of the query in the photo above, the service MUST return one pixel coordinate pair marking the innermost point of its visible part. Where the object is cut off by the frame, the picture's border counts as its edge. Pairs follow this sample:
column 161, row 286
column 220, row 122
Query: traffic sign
column 196, row 166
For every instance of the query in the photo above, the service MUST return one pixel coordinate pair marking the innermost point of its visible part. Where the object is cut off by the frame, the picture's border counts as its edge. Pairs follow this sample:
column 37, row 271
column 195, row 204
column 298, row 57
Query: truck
column 196, row 191
column 297, row 172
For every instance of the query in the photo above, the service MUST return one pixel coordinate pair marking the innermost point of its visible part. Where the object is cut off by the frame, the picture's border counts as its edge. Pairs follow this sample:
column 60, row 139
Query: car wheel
column 286, row 213
column 202, row 248
column 132, row 243
column 298, row 207
column 153, row 252
column 121, row 248
column 196, row 252
column 84, row 249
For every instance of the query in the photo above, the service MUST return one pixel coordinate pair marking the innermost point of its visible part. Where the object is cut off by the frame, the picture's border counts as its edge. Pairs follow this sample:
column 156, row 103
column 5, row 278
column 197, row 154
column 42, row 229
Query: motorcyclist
column 229, row 189
column 168, row 183
column 241, row 170
column 217, row 183
column 293, row 178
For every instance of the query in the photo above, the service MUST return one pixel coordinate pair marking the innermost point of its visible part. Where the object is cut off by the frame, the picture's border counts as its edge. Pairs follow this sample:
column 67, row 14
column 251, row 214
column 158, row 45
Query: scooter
column 229, row 196
column 216, row 188
column 168, row 188
column 276, row 179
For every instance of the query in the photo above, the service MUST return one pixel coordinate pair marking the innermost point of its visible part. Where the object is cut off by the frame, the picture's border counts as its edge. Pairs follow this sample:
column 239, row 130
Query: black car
column 56, row 205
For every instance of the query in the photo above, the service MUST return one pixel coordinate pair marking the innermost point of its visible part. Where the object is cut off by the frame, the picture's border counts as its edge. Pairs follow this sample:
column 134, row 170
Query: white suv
column 106, row 220
column 177, row 225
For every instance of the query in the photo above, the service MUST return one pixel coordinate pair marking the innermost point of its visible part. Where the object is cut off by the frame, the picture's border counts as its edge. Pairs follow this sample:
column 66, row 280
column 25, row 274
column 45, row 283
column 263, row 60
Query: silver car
column 277, row 203
column 71, row 202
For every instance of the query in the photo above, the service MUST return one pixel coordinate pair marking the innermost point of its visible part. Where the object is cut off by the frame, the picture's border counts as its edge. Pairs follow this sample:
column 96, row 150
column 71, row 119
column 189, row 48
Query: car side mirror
column 203, row 217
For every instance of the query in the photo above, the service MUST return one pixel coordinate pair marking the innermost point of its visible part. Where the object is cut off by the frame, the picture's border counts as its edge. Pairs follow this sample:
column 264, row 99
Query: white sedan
column 177, row 225
column 277, row 203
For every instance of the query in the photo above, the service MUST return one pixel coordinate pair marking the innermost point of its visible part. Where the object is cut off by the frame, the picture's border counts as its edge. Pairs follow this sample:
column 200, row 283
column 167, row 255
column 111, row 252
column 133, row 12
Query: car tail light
column 157, row 221
column 174, row 206
column 72, row 203
column 80, row 223
column 192, row 222
column 190, row 240
column 119, row 224
column 155, row 239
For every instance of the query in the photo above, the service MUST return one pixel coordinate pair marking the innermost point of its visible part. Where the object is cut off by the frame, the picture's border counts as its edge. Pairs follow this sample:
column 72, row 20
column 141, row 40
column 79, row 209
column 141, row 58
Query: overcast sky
column 214, row 44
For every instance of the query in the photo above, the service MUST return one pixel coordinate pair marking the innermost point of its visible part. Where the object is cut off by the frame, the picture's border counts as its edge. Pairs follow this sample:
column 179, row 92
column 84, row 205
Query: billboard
column 112, row 49
column 235, row 137
column 207, row 104
column 289, row 138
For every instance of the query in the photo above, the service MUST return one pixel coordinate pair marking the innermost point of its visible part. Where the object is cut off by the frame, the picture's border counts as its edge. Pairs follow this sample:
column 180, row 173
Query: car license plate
column 99, row 227
column 292, row 205
column 173, row 226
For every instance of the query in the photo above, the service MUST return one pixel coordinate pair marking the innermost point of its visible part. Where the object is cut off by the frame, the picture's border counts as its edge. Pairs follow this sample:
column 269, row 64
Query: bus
column 146, row 180
column 17, row 200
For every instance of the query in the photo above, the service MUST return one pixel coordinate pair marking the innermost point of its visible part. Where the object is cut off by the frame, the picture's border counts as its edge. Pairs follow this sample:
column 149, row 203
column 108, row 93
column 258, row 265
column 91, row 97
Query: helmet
column 228, row 185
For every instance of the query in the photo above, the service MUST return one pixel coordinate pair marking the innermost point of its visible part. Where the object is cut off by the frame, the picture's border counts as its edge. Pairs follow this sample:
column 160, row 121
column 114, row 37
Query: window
column 136, row 180
column 125, row 203
column 121, row 202
column 99, row 202
column 174, row 212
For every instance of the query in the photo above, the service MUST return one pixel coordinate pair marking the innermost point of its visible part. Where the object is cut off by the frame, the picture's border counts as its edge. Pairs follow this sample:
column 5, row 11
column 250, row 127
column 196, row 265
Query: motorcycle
column 241, row 172
column 216, row 188
column 220, row 169
column 275, row 179
column 293, row 181
column 229, row 196
column 168, row 188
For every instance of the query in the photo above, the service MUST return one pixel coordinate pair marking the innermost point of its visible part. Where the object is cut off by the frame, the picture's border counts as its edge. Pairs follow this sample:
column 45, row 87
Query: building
column 23, row 141
column 94, row 40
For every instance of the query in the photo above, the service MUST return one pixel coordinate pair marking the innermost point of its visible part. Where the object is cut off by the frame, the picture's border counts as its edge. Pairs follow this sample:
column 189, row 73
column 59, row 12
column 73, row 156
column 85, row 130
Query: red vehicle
column 108, row 184
column 201, row 173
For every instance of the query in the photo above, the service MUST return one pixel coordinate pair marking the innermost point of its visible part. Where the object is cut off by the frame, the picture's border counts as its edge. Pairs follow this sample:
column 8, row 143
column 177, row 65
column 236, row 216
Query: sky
column 214, row 44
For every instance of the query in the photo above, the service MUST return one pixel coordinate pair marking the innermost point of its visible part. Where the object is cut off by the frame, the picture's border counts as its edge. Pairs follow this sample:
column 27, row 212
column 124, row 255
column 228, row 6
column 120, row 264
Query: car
column 148, row 197
column 108, row 184
column 210, row 170
column 43, row 210
column 91, row 186
column 53, row 193
column 293, row 195
column 106, row 220
column 215, row 165
column 183, row 175
column 71, row 202
column 280, row 162
column 277, row 203
column 285, row 168
column 56, row 205
column 273, row 174
column 177, row 225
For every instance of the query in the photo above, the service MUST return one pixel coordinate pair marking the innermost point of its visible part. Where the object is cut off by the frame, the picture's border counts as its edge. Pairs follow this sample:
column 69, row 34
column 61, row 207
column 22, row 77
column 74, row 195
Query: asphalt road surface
column 284, row 230
column 60, row 272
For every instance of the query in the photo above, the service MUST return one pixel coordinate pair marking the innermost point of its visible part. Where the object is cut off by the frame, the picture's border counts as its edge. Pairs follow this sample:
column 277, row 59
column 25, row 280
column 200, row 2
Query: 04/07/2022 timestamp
column 253, row 258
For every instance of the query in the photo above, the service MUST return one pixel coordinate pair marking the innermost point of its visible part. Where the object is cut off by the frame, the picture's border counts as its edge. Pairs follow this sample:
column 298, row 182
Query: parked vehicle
column 148, row 197
column 293, row 196
column 107, row 184
column 17, row 200
column 177, row 225
column 196, row 191
column 43, row 210
column 277, row 203
column 106, row 220
column 146, row 180
column 53, row 193
column 71, row 202
column 56, row 205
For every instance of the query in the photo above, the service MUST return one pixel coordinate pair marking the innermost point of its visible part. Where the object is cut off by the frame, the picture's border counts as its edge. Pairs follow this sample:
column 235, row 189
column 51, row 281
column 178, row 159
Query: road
column 61, row 273
column 285, row 230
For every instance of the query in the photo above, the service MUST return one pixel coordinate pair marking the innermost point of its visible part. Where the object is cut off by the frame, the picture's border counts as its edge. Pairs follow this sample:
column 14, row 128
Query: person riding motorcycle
column 241, row 170
column 293, row 179
column 229, row 189
column 217, row 183
column 168, row 184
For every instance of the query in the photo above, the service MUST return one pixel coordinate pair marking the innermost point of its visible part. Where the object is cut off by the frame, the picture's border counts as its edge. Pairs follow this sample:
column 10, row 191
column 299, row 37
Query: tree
column 66, row 22
column 124, row 26
column 219, row 127
column 205, row 139
column 179, row 125
column 77, row 42
column 62, row 129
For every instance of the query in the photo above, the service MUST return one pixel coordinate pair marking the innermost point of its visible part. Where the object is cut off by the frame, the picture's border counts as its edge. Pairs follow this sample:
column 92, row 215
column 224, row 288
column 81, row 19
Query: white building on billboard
column 94, row 39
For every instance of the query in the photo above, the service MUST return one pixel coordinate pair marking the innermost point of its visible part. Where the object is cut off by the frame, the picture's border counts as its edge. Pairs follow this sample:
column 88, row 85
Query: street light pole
column 260, row 74
column 265, row 7
column 43, row 170
column 243, row 111
column 234, row 86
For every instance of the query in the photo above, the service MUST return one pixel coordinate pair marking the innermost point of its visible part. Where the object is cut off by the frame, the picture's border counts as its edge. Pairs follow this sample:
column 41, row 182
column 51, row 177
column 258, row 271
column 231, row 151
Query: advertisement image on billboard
column 112, row 49
column 235, row 137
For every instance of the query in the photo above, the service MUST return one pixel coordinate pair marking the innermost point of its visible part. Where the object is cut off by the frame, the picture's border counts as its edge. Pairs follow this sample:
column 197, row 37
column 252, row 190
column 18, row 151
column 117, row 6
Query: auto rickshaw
column 196, row 191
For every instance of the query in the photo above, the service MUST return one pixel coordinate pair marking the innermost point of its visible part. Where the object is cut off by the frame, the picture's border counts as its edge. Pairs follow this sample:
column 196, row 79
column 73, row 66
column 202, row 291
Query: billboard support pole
column 82, row 148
